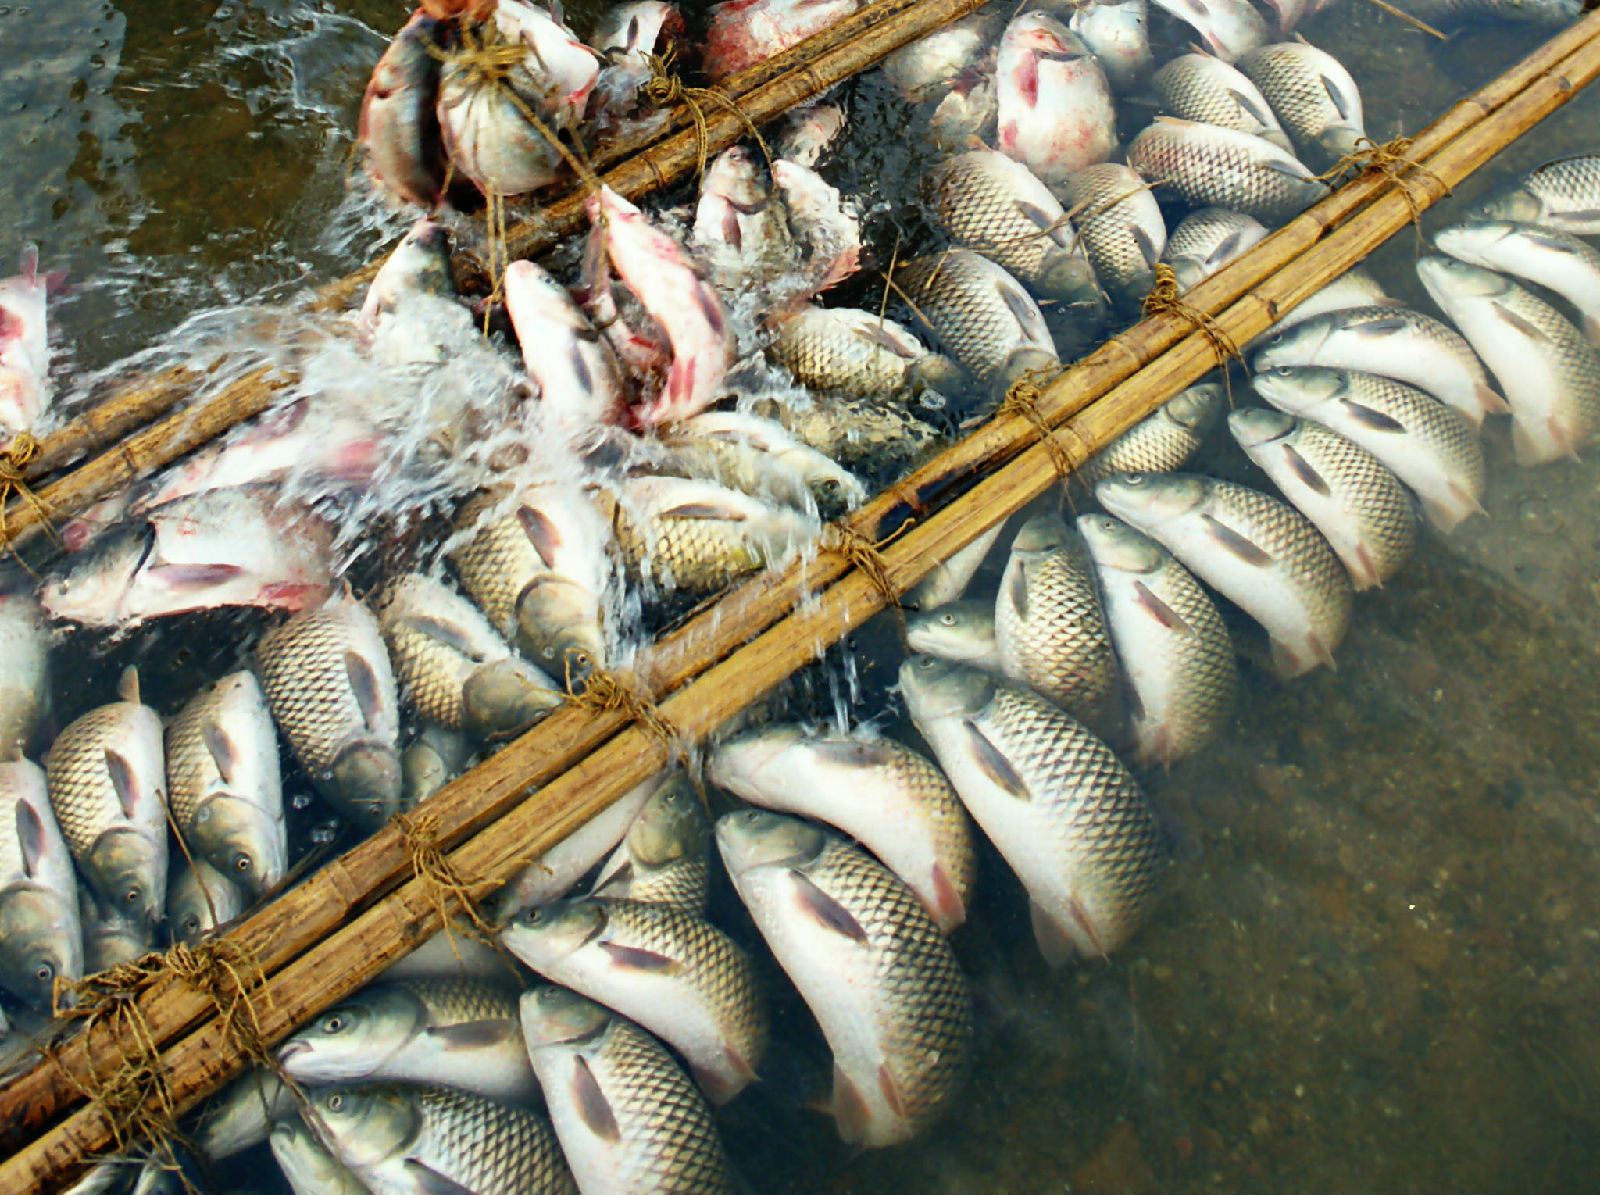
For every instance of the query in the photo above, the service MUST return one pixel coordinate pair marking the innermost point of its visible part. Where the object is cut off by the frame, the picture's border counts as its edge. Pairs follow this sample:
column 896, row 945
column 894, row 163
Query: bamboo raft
column 369, row 905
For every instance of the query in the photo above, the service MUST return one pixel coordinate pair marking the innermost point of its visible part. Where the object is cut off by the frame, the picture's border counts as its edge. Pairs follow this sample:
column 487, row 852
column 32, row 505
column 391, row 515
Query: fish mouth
column 292, row 1049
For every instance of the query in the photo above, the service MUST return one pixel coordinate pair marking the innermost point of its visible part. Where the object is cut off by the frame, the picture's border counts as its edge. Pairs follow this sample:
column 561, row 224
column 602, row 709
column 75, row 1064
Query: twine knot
column 606, row 692
column 441, row 880
column 1022, row 400
column 15, row 458
column 665, row 88
column 1164, row 299
column 866, row 554
column 1390, row 160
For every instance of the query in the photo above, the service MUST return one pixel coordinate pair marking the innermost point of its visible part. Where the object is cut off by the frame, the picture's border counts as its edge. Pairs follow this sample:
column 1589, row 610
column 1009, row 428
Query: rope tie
column 863, row 553
column 14, row 461
column 442, row 882
column 1390, row 161
column 1163, row 298
column 666, row 88
column 1022, row 400
column 610, row 692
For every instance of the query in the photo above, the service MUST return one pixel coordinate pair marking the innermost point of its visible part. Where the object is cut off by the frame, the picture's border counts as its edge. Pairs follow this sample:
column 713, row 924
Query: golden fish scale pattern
column 921, row 998
column 1202, row 662
column 303, row 671
column 1219, row 172
column 1098, row 813
column 191, row 769
column 978, row 207
column 1153, row 445
column 496, row 565
column 1106, row 225
column 81, row 792
column 1567, row 183
column 1448, row 432
column 458, row 999
column 922, row 781
column 1294, row 88
column 1059, row 645
column 695, row 554
column 683, row 884
column 431, row 673
column 673, row 1145
column 833, row 356
column 1191, row 91
column 1359, row 483
column 489, row 1147
column 972, row 319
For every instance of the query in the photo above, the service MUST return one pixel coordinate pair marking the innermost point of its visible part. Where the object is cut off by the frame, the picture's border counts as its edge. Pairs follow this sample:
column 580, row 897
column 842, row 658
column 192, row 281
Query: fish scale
column 451, row 1001
column 1121, row 227
column 1312, row 95
column 665, row 858
column 1211, row 166
column 497, row 564
column 1160, row 442
column 1204, row 88
column 1206, row 240
column 1563, row 194
column 982, row 315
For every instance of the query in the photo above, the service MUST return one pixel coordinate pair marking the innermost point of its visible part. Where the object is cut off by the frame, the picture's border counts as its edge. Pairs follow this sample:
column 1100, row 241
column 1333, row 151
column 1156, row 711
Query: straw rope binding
column 1022, row 399
column 666, row 88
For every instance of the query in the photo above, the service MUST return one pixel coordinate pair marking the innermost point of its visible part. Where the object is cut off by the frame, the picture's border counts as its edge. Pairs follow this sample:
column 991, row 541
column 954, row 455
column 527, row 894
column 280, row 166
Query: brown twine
column 442, row 882
column 666, row 88
column 865, row 554
column 1163, row 297
column 1389, row 160
column 1022, row 399
column 14, row 461
column 606, row 692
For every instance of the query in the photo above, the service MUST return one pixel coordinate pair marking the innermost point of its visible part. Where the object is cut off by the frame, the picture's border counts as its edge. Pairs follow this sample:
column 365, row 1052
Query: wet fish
column 565, row 68
column 981, row 314
column 25, row 681
column 678, row 976
column 740, row 229
column 960, row 631
column 1547, row 14
column 1557, row 261
column 1563, row 194
column 434, row 757
column 1173, row 646
column 487, row 138
column 745, row 32
column 24, row 346
column 969, row 110
column 459, row 1033
column 1121, row 227
column 1430, row 447
column 1206, row 240
column 1259, row 553
column 841, row 348
column 331, row 691
column 451, row 956
column 995, row 205
column 884, row 795
column 1048, row 624
column 200, row 899
column 1067, row 816
column 1313, row 96
column 625, row 38
column 1353, row 288
column 307, row 1165
column 922, row 69
column 873, row 436
column 418, row 265
column 1118, row 35
column 1548, row 373
column 949, row 579
column 431, row 1140
column 1163, row 441
column 1206, row 165
column 399, row 128
column 665, row 858
column 1227, row 27
column 225, row 789
column 107, row 783
column 1394, row 341
column 761, row 458
column 1204, row 88
column 242, row 1113
column 112, row 936
column 1359, row 506
column 40, row 937
column 1055, row 111
column 454, row 669
column 825, row 224
column 537, row 566
column 628, row 1119
column 580, row 383
column 808, row 133
column 234, row 547
column 871, row 965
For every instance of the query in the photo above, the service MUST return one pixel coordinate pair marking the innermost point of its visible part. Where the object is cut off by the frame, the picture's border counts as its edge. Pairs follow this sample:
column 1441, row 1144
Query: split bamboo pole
column 387, row 930
column 306, row 914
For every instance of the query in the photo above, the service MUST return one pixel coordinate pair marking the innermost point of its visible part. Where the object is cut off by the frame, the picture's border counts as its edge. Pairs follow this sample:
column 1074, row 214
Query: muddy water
column 1380, row 970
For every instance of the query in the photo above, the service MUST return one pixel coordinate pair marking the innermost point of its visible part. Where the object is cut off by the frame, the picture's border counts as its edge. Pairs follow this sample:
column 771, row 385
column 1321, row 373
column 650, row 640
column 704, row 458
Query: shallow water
column 1380, row 971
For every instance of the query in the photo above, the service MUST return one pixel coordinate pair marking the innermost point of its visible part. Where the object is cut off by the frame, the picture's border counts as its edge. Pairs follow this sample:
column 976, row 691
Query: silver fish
column 969, row 111
column 241, row 1114
column 1557, row 261
column 960, row 631
column 678, row 976
column 982, row 315
column 871, row 965
column 628, row 1118
column 580, row 382
column 741, row 231
column 398, row 127
column 331, row 691
column 921, row 69
column 418, row 265
column 1121, row 227
column 840, row 348
column 1117, row 33
column 1204, row 88
column 1354, row 288
column 1313, row 95
column 307, row 1165
column 201, row 899
column 808, row 133
column 459, row 1033
column 111, row 936
column 1547, row 14
column 1427, row 445
column 1163, row 441
column 1227, row 27
column 1563, row 195
column 224, row 784
column 665, row 858
column 1065, row 814
column 884, row 795
column 1206, row 240
column 433, row 758
column 451, row 956
column 949, row 579
column 25, row 685
column 1173, row 645
column 760, row 457
column 1221, row 167
column 1259, row 553
column 40, row 937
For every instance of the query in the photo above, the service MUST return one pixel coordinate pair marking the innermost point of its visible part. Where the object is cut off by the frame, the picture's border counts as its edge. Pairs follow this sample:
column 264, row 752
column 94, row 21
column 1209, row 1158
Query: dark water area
column 1382, row 968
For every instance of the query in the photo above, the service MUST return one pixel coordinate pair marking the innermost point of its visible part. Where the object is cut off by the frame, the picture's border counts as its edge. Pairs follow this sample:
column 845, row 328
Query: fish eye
column 533, row 916
column 335, row 1102
column 1281, row 371
column 45, row 972
column 241, row 862
column 374, row 809
column 1135, row 479
column 132, row 895
column 947, row 619
column 333, row 1023
column 191, row 923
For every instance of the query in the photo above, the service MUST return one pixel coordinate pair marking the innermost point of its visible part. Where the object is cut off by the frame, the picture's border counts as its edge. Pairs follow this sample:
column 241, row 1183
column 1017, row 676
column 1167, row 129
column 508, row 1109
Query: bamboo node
column 1390, row 161
column 15, row 458
column 666, row 88
column 612, row 692
column 1022, row 400
column 229, row 973
column 1164, row 297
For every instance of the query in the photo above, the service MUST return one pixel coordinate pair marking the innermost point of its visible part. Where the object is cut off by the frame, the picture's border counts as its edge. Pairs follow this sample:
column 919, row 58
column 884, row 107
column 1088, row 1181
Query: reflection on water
column 1380, row 972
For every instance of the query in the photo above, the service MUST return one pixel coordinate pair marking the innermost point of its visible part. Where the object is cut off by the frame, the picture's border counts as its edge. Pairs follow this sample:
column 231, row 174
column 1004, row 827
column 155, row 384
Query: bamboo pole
column 390, row 928
column 301, row 917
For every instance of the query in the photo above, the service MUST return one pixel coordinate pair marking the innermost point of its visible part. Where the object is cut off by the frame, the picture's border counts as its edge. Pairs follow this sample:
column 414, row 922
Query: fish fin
column 1159, row 610
column 1526, row 450
column 30, row 836
column 1308, row 476
column 128, row 686
column 948, row 906
column 826, row 911
column 731, row 232
column 1147, row 247
column 1081, row 918
column 1491, row 401
column 1335, row 98
column 995, row 765
column 473, row 1035
column 1384, row 325
column 1249, row 105
column 593, row 1107
column 1521, row 323
column 1035, row 215
column 194, row 576
column 1159, row 748
column 1591, row 328
column 123, row 781
column 1017, row 593
column 703, row 510
column 541, row 533
column 364, row 684
column 1447, row 516
column 874, row 335
column 221, row 749
column 635, row 959
column 425, row 1180
column 850, row 1109
column 853, row 753
column 28, row 263
column 444, row 632
column 614, row 881
column 1292, row 170
column 1054, row 942
column 1236, row 543
column 1226, row 247
column 1376, row 420
column 890, row 1090
column 1366, row 574
column 1017, row 302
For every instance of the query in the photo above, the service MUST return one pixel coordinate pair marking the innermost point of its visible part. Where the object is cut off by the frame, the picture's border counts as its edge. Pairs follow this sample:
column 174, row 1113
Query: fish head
column 1115, row 545
column 559, row 628
column 1469, row 241
column 365, row 782
column 1298, row 388
column 671, row 826
column 367, row 1125
column 241, row 840
column 129, row 868
column 935, row 688
column 93, row 586
column 554, row 1016
column 954, row 631
column 1339, row 141
column 504, row 698
column 199, row 899
column 1518, row 205
column 734, row 176
column 553, row 932
column 1196, row 408
column 1298, row 344
column 752, row 838
column 1067, row 277
column 1450, row 278
column 740, row 763
column 303, row 1159
column 1144, row 499
column 1039, row 33
column 1041, row 535
column 1254, row 427
column 420, row 264
column 356, row 1038
column 39, row 942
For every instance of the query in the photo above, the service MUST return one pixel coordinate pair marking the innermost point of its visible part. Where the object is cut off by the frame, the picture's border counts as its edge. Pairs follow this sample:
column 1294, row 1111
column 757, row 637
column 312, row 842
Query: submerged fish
column 1055, row 111
column 825, row 224
column 840, row 348
column 1162, row 441
column 1313, row 95
column 1557, row 261
column 762, row 458
column 740, row 229
column 871, row 965
column 1227, row 27
column 1121, row 227
column 1118, row 35
column 433, row 758
column 1206, row 240
column 241, row 1114
column 949, row 579
column 665, row 858
column 1548, row 14
column 25, row 681
column 307, row 1165
column 922, row 69
column 959, row 631
column 24, row 347
column 1204, row 88
column 1563, row 194
column 40, row 936
column 981, row 314
column 1354, row 288
column 201, row 899
column 1206, row 165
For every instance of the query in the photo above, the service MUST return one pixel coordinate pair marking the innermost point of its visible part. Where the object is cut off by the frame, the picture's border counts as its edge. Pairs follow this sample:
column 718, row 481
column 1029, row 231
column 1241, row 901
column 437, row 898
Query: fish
column 845, row 349
column 995, row 205
column 1259, row 553
column 242, row 1114
column 1430, row 447
column 1163, row 441
column 1562, row 195
column 923, row 69
column 1174, row 649
column 870, row 963
column 1397, row 342
column 658, row 270
column 25, row 681
column 888, row 798
column 201, row 899
column 1206, row 240
column 1557, row 261
column 418, row 266
column 741, row 231
column 983, row 316
column 566, row 68
column 434, row 757
column 809, row 133
column 308, row 1167
column 625, row 38
column 1067, row 816
column 1207, row 165
column 1228, row 28
column 1354, row 288
column 1547, row 14
column 1055, row 111
column 969, row 111
column 1048, row 625
column 962, row 631
column 628, row 1118
column 485, row 131
column 949, row 579
column 107, row 780
column 232, row 547
column 1204, row 88
column 580, row 382
column 399, row 126
column 665, row 857
column 763, row 459
column 676, row 975
column 25, row 345
column 1313, row 96
column 452, row 956
column 112, row 935
column 825, row 224
column 331, row 690
column 875, row 437
column 224, row 785
column 1121, row 227
column 1547, row 371
column 453, row 667
column 433, row 1140
column 41, row 940
column 458, row 1033
column 1118, row 35
column 537, row 565
column 743, row 33
column 1361, row 508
